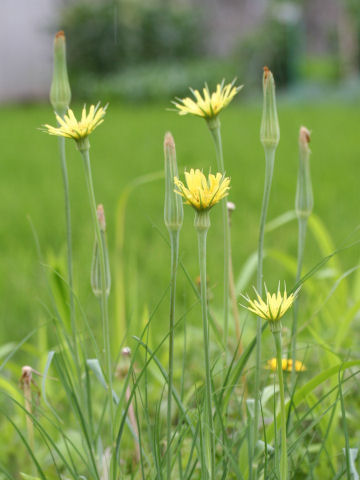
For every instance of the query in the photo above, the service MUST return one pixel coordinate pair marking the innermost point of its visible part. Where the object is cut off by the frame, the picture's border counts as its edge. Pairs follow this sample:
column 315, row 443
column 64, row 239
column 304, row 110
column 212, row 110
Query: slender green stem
column 68, row 243
column 215, row 129
column 302, row 221
column 283, row 455
column 104, row 298
column 174, row 241
column 269, row 168
column 209, row 428
column 216, row 134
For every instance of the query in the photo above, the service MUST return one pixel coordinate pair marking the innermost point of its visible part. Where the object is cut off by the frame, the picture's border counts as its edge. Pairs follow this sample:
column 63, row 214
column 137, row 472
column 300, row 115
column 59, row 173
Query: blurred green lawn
column 129, row 144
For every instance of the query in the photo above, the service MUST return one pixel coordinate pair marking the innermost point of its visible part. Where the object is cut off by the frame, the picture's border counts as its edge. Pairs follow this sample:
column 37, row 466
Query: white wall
column 26, row 48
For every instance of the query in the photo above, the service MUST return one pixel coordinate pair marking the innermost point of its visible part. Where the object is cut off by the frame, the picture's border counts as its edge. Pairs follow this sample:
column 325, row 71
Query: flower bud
column 230, row 206
column 270, row 130
column 60, row 93
column 126, row 352
column 96, row 282
column 304, row 201
column 101, row 217
column 173, row 209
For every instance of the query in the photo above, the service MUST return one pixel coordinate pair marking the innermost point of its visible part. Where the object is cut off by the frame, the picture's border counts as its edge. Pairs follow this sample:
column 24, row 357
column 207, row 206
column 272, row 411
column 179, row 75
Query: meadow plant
column 70, row 127
column 273, row 310
column 304, row 204
column 269, row 137
column 202, row 194
column 209, row 106
column 173, row 218
column 60, row 97
column 115, row 413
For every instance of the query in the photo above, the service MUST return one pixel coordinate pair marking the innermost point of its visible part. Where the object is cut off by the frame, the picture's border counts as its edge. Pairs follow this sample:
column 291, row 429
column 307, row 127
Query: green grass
column 129, row 144
column 126, row 146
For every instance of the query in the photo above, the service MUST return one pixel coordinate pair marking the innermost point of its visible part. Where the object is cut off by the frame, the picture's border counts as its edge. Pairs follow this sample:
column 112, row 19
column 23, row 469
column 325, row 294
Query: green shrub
column 157, row 80
column 274, row 44
column 107, row 37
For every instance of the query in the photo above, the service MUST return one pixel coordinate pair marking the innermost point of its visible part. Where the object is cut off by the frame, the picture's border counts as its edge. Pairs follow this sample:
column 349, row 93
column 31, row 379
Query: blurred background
column 135, row 50
column 138, row 56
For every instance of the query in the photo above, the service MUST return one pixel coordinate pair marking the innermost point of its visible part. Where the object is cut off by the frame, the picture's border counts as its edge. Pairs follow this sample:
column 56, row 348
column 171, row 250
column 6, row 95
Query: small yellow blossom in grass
column 202, row 193
column 275, row 306
column 286, row 365
column 70, row 127
column 210, row 104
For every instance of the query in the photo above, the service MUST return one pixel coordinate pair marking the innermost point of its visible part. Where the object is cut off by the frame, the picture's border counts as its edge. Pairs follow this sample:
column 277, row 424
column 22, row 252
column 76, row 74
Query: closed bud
column 173, row 209
column 101, row 217
column 96, row 281
column 304, row 201
column 60, row 93
column 126, row 352
column 270, row 130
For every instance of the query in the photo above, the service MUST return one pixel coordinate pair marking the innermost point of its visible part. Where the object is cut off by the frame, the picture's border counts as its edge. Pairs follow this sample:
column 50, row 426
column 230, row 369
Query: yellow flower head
column 211, row 104
column 69, row 127
column 202, row 193
column 286, row 365
column 275, row 306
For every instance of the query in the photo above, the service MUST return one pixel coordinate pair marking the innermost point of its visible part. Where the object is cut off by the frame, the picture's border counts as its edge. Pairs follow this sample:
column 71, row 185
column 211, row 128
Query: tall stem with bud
column 304, row 204
column 269, row 137
column 60, row 97
column 173, row 218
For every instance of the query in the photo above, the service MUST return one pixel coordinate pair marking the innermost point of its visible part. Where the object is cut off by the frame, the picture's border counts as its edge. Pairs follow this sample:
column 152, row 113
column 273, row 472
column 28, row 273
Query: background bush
column 106, row 38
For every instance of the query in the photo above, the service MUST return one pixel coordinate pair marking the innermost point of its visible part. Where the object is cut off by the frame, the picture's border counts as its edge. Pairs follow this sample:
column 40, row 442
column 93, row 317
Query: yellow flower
column 274, row 308
column 286, row 365
column 202, row 193
column 211, row 104
column 69, row 127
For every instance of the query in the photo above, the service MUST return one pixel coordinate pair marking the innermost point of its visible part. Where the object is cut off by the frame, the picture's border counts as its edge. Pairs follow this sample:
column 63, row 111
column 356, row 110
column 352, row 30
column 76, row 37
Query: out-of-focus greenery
column 129, row 144
column 320, row 69
column 159, row 81
column 275, row 43
column 109, row 36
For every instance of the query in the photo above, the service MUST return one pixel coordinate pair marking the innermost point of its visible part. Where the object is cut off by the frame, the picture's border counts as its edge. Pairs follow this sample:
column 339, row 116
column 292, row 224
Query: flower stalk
column 202, row 194
column 173, row 218
column 272, row 310
column 283, row 455
column 269, row 137
column 304, row 203
column 215, row 130
column 60, row 97
column 209, row 106
column 65, row 178
column 230, row 207
column 126, row 354
column 202, row 225
column 84, row 150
